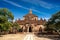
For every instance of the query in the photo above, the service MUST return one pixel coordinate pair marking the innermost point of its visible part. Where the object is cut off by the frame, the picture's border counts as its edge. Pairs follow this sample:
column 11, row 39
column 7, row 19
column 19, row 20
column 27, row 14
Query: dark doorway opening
column 40, row 29
column 30, row 29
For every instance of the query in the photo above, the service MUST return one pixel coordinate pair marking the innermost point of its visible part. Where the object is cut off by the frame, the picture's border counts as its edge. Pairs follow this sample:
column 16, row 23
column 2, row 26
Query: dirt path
column 33, row 37
column 13, row 37
column 22, row 37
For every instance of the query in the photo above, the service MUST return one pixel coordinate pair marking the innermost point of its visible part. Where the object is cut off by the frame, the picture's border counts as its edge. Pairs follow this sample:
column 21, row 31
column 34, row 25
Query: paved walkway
column 22, row 37
column 33, row 37
column 29, row 37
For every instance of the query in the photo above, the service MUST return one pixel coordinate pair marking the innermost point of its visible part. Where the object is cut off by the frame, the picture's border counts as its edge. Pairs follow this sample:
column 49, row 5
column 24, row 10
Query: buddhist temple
column 30, row 23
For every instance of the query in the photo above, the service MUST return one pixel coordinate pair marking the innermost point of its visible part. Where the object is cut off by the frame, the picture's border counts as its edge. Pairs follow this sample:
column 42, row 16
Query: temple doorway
column 40, row 29
column 30, row 29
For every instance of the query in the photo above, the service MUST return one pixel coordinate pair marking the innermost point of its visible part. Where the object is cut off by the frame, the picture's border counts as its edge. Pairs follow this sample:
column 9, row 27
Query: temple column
column 23, row 29
column 28, row 29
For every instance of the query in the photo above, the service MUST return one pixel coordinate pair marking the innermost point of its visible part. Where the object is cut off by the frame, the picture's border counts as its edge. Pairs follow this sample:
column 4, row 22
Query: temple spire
column 30, row 12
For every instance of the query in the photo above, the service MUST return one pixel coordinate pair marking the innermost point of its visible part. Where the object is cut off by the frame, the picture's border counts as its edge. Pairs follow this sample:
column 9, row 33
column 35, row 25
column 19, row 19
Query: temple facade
column 30, row 23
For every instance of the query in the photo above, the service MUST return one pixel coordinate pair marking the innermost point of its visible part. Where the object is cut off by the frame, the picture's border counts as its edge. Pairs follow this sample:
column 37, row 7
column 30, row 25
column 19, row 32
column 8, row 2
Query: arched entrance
column 30, row 29
column 40, row 29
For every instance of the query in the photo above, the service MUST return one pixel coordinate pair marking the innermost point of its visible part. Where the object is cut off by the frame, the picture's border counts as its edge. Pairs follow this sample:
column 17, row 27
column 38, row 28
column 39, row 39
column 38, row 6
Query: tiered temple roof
column 30, row 14
column 22, row 22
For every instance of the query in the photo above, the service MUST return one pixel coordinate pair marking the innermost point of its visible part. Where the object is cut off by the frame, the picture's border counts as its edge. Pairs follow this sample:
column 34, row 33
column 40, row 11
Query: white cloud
column 47, row 19
column 42, row 4
column 44, row 18
column 46, row 5
column 15, row 4
column 39, row 11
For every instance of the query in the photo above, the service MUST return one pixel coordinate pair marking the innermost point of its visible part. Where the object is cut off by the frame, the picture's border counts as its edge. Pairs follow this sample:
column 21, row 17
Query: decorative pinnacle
column 30, row 11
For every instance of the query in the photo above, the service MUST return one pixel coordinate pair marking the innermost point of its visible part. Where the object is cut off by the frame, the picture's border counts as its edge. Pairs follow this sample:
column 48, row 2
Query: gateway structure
column 30, row 23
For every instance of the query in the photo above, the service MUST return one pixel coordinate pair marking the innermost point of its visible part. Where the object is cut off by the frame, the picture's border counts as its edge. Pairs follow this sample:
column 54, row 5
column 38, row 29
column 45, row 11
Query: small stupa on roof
column 31, row 21
column 30, row 12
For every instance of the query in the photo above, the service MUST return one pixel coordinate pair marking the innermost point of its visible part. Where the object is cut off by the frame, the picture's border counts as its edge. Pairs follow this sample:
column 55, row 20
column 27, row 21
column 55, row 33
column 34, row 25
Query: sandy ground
column 22, row 37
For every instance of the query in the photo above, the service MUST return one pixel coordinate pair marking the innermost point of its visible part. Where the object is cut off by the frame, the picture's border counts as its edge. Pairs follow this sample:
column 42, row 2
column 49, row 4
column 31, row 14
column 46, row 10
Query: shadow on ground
column 50, row 36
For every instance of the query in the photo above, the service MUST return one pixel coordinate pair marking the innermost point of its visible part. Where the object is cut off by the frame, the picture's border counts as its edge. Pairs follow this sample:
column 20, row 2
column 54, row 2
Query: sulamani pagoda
column 30, row 23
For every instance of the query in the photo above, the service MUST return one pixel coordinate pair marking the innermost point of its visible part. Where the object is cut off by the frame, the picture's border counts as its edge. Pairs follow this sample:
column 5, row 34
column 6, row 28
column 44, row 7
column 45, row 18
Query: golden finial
column 30, row 11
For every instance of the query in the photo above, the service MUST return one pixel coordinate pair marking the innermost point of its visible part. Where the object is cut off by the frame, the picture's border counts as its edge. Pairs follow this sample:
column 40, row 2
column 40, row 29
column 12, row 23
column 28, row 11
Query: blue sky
column 41, row 8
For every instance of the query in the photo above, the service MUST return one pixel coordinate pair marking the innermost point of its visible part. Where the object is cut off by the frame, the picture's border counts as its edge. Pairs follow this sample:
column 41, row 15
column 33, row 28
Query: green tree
column 15, row 27
column 54, row 22
column 6, row 18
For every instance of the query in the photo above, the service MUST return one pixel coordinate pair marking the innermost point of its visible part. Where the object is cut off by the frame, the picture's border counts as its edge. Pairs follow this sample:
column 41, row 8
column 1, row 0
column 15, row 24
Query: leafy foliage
column 5, row 17
column 54, row 22
column 16, row 25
